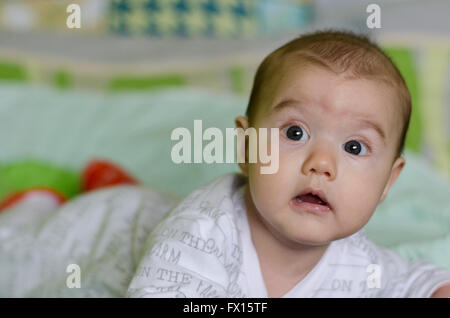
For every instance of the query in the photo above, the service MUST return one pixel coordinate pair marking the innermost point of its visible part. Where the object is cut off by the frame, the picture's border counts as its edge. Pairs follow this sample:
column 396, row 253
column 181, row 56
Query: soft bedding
column 102, row 232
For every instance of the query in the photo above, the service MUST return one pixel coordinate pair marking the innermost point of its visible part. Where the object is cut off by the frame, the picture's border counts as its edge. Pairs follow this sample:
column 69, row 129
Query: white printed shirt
column 203, row 248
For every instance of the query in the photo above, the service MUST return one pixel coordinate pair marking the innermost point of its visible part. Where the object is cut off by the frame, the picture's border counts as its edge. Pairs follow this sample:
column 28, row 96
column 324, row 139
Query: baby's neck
column 282, row 265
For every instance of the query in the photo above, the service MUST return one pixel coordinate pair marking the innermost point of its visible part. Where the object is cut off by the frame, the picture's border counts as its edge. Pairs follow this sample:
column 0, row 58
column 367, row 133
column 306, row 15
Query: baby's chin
column 312, row 233
column 315, row 240
column 322, row 239
column 300, row 238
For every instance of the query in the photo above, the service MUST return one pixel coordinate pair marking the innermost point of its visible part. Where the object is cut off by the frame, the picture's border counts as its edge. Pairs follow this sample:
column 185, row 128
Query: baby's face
column 337, row 136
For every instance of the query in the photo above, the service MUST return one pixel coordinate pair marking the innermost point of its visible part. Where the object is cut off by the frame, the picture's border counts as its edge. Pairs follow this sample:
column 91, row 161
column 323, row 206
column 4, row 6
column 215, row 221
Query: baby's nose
column 320, row 161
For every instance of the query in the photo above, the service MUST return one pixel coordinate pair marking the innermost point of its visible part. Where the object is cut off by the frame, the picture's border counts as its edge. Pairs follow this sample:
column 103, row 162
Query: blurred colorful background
column 136, row 69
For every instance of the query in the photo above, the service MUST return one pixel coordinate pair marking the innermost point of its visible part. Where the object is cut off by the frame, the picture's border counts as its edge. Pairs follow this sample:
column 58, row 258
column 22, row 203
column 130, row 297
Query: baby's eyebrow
column 287, row 103
column 364, row 122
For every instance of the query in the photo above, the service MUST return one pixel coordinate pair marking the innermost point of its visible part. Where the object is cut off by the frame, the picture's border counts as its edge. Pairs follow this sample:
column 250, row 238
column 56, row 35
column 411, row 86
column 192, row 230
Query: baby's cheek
column 359, row 201
column 269, row 190
column 262, row 185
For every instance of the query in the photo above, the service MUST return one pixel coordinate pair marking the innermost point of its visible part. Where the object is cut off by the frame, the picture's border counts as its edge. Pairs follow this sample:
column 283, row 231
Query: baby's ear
column 395, row 172
column 242, row 122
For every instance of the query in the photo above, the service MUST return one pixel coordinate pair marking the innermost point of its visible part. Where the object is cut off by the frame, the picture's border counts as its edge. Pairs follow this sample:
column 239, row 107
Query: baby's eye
column 295, row 133
column 355, row 148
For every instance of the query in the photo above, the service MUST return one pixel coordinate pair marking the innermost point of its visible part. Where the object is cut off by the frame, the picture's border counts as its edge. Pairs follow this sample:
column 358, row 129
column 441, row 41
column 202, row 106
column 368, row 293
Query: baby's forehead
column 331, row 92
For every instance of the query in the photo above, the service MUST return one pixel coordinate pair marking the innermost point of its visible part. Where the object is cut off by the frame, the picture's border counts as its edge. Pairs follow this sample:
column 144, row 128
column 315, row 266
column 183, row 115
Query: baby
column 342, row 109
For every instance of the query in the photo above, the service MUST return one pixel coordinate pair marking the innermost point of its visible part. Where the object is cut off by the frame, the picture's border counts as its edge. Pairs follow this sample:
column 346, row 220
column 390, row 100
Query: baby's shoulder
column 359, row 246
column 361, row 268
column 207, row 210
column 351, row 268
column 358, row 250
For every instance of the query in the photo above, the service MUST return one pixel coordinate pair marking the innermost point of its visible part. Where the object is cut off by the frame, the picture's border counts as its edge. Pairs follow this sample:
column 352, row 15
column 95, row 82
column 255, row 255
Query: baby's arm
column 442, row 292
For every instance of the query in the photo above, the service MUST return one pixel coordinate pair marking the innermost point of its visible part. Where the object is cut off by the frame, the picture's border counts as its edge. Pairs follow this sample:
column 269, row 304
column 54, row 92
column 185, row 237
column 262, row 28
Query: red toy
column 101, row 173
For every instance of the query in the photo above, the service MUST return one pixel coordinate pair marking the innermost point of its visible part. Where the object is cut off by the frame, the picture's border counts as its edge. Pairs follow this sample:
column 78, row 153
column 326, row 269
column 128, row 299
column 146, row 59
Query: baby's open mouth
column 312, row 198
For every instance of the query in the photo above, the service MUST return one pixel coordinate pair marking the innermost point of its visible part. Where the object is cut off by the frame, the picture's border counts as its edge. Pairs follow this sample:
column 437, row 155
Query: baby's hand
column 442, row 292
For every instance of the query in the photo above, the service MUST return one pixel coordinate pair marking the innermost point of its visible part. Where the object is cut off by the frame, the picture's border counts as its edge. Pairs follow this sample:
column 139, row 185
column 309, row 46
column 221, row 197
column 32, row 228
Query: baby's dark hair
column 340, row 52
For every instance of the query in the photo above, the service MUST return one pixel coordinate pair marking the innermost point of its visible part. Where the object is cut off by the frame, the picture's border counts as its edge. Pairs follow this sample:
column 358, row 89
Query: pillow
column 414, row 219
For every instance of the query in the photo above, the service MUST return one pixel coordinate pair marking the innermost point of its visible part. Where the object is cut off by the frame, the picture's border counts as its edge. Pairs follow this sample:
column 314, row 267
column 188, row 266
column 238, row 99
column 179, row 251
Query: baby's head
column 343, row 110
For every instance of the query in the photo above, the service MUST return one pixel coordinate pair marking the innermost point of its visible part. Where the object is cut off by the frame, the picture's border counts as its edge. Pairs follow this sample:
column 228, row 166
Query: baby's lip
column 316, row 192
